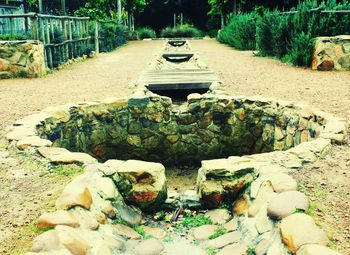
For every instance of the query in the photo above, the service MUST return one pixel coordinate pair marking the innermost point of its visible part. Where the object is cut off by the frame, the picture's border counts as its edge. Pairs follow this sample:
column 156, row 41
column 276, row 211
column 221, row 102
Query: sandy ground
column 25, row 191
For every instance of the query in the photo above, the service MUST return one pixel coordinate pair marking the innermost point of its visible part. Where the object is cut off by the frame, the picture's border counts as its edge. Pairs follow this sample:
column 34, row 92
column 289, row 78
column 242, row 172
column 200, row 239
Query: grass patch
column 167, row 239
column 219, row 232
column 196, row 221
column 4, row 143
column 24, row 240
column 67, row 170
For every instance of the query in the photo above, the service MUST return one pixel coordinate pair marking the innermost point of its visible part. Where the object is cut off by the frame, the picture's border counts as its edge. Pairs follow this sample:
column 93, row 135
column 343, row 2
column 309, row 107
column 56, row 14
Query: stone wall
column 21, row 59
column 332, row 53
column 206, row 127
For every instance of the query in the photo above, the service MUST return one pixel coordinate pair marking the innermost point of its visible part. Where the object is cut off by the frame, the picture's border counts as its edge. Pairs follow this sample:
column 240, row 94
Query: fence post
column 34, row 26
column 97, row 46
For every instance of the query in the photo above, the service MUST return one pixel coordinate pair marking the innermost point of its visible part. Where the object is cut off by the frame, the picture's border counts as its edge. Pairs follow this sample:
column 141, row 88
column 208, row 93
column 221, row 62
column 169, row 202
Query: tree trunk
column 40, row 5
column 119, row 11
column 234, row 11
column 222, row 21
column 63, row 7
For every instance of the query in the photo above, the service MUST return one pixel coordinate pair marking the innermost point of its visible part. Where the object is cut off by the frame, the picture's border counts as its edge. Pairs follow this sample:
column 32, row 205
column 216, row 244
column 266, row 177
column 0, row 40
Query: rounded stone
column 286, row 203
column 234, row 249
column 218, row 216
column 299, row 229
column 203, row 232
column 60, row 217
column 315, row 249
column 149, row 247
column 224, row 240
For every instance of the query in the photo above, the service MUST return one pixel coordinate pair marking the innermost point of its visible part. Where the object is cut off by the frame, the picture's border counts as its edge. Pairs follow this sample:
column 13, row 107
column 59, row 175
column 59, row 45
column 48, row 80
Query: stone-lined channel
column 245, row 148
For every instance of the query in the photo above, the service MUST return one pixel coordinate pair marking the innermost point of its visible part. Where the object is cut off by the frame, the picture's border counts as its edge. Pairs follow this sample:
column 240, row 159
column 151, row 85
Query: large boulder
column 331, row 53
column 223, row 179
column 142, row 183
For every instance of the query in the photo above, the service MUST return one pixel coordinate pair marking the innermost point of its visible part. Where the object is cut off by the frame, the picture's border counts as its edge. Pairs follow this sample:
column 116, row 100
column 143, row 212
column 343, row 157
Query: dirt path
column 25, row 192
column 327, row 182
column 107, row 75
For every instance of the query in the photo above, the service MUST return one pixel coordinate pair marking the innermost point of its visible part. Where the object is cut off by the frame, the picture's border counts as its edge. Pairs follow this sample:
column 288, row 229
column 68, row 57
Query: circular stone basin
column 178, row 43
column 209, row 126
column 178, row 59
column 206, row 127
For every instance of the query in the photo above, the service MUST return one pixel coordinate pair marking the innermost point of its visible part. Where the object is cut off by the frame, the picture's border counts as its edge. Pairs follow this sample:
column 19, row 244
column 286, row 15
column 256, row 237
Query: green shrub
column 213, row 33
column 113, row 36
column 14, row 37
column 287, row 36
column 301, row 50
column 181, row 31
column 131, row 35
column 57, row 36
column 240, row 32
column 146, row 32
column 273, row 34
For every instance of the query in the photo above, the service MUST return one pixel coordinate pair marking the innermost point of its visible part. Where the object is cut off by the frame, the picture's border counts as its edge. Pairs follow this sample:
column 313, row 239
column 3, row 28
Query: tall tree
column 224, row 8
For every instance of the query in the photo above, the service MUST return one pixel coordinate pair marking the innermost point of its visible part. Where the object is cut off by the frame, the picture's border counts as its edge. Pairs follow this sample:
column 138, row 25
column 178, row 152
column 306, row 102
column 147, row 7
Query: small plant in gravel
column 167, row 239
column 160, row 215
column 219, row 232
column 196, row 221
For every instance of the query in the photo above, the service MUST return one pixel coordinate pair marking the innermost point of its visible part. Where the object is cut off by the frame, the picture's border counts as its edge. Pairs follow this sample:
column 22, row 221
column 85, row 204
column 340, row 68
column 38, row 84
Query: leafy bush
column 273, row 34
column 146, row 32
column 131, row 35
column 14, row 37
column 113, row 36
column 300, row 50
column 181, row 31
column 240, row 32
column 57, row 36
column 287, row 36
column 213, row 33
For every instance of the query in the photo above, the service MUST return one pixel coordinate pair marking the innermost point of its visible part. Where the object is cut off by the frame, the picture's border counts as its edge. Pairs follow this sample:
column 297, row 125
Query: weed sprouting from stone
column 67, row 170
column 219, row 232
column 251, row 251
column 212, row 250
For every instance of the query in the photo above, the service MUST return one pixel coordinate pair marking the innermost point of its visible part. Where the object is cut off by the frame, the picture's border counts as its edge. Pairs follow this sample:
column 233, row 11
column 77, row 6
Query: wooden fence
column 320, row 11
column 64, row 37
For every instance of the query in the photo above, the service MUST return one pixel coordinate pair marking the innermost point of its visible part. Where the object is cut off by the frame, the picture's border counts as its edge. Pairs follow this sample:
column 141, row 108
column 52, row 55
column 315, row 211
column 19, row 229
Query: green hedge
column 181, row 31
column 14, row 37
column 145, row 32
column 289, row 37
column 113, row 36
column 240, row 32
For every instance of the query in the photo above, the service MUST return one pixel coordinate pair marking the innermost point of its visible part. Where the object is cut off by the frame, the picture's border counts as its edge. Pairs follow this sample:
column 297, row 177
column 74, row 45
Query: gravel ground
column 25, row 191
